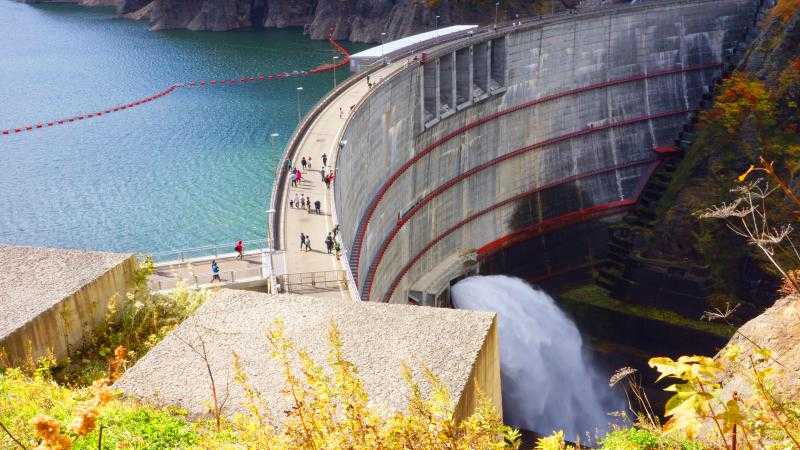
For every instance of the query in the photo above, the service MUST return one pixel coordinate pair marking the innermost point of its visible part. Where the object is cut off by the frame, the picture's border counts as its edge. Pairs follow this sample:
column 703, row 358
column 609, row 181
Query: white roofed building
column 407, row 45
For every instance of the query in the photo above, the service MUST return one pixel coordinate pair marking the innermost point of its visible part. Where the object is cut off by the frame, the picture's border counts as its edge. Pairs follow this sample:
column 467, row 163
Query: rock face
column 354, row 20
column 777, row 329
column 213, row 15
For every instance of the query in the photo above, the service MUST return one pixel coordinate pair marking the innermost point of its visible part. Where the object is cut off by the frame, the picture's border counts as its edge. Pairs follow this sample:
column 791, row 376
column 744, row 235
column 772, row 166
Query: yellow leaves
column 331, row 409
column 744, row 175
column 732, row 352
column 553, row 442
column 763, row 353
column 731, row 415
column 691, row 401
column 688, row 368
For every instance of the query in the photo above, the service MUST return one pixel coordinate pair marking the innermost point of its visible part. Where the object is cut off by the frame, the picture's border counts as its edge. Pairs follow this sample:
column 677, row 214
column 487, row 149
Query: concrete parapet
column 51, row 299
column 377, row 339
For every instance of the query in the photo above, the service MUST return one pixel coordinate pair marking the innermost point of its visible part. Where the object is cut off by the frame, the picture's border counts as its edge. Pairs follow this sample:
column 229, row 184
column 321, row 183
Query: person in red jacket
column 239, row 249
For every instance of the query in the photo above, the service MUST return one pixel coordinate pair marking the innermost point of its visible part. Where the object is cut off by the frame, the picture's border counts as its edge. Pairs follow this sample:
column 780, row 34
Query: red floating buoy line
column 196, row 83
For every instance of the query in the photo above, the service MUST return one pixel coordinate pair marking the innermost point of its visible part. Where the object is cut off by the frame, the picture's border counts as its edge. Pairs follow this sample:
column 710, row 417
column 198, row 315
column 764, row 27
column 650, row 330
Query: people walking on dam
column 336, row 230
column 327, row 180
column 302, row 240
column 325, row 159
column 293, row 178
column 341, row 112
column 296, row 200
column 329, row 243
column 302, row 201
column 308, row 205
column 337, row 248
column 309, row 163
column 215, row 271
column 318, row 206
column 308, row 243
column 239, row 247
column 303, row 162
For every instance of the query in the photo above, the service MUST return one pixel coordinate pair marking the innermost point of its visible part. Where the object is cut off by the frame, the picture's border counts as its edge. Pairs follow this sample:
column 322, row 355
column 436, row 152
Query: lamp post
column 299, row 90
column 496, row 7
column 436, row 26
column 272, row 141
column 383, row 39
column 334, row 70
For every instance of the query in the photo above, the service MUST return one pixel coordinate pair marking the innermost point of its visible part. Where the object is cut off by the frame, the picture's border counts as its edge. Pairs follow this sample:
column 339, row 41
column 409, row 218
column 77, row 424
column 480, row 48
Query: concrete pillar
column 480, row 73
column 447, row 85
column 463, row 77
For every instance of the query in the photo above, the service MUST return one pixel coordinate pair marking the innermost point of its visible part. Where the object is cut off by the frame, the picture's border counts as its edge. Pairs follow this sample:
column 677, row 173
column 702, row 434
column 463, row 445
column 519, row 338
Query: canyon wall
column 353, row 20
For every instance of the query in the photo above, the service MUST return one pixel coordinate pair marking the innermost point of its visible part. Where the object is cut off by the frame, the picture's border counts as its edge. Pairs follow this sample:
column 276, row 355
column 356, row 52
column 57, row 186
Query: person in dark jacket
column 329, row 243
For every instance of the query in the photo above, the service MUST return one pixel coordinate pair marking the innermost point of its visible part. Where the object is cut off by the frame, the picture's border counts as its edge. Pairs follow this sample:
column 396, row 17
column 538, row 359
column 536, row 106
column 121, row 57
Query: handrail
column 290, row 150
column 183, row 252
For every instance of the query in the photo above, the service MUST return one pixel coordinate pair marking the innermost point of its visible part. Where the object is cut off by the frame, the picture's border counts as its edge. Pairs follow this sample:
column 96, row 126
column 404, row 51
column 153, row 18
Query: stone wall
column 560, row 122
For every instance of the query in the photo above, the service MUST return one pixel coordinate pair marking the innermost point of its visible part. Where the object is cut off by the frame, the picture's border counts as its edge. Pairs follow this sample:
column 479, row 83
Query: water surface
column 190, row 169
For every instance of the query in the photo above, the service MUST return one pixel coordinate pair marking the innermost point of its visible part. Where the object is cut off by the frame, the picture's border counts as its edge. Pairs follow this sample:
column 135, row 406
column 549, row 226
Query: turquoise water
column 189, row 169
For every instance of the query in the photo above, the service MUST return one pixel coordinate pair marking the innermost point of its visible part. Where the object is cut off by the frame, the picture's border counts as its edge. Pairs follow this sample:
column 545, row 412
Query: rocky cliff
column 778, row 330
column 354, row 20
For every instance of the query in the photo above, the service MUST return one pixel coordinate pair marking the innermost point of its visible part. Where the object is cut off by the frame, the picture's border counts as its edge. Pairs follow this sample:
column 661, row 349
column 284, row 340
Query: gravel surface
column 35, row 279
column 377, row 339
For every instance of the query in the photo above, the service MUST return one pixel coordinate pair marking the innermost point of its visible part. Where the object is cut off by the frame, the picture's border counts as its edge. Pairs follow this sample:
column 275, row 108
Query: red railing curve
column 520, row 151
column 563, row 220
column 373, row 205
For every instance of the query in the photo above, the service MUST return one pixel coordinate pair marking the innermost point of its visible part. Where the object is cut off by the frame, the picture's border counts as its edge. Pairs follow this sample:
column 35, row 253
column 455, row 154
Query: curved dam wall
column 515, row 132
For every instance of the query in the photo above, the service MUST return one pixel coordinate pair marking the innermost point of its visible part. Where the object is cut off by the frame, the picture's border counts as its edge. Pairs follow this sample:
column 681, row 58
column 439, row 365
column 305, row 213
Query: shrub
column 138, row 324
column 331, row 410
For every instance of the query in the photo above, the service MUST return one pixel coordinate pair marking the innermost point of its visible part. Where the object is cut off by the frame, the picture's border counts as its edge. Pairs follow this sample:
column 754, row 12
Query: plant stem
column 770, row 400
column 12, row 436
column 714, row 418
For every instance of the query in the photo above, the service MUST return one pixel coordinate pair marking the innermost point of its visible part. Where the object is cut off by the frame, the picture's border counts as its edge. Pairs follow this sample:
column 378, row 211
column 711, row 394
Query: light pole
column 299, row 90
column 436, row 26
column 496, row 7
column 334, row 70
column 383, row 39
column 272, row 141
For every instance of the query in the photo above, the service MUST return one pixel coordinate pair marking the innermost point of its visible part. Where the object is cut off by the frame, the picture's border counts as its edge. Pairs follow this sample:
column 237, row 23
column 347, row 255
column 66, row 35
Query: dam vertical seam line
column 592, row 212
column 364, row 223
column 453, row 181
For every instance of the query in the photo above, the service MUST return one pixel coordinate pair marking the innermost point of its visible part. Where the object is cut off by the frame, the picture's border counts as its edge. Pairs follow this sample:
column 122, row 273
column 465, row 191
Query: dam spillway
column 514, row 132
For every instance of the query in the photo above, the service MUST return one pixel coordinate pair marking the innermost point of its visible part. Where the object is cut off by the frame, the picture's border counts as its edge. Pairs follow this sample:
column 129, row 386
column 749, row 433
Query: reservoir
column 189, row 169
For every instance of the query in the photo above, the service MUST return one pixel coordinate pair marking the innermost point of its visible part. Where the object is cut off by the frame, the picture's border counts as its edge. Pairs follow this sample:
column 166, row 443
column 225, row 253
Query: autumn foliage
column 785, row 9
column 741, row 98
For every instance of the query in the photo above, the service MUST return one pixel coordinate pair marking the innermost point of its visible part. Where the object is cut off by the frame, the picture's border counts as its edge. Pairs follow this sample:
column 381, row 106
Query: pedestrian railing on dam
column 206, row 251
column 308, row 282
column 274, row 214
column 256, row 268
column 205, row 279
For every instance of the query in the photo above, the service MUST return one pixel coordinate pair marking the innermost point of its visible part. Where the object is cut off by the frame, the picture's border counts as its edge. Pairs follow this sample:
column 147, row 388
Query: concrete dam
column 472, row 147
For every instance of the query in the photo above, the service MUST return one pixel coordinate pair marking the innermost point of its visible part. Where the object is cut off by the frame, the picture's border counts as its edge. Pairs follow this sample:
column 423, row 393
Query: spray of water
column 547, row 384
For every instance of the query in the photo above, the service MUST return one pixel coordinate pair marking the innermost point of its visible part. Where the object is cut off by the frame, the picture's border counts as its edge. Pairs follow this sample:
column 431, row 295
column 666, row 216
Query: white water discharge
column 547, row 384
